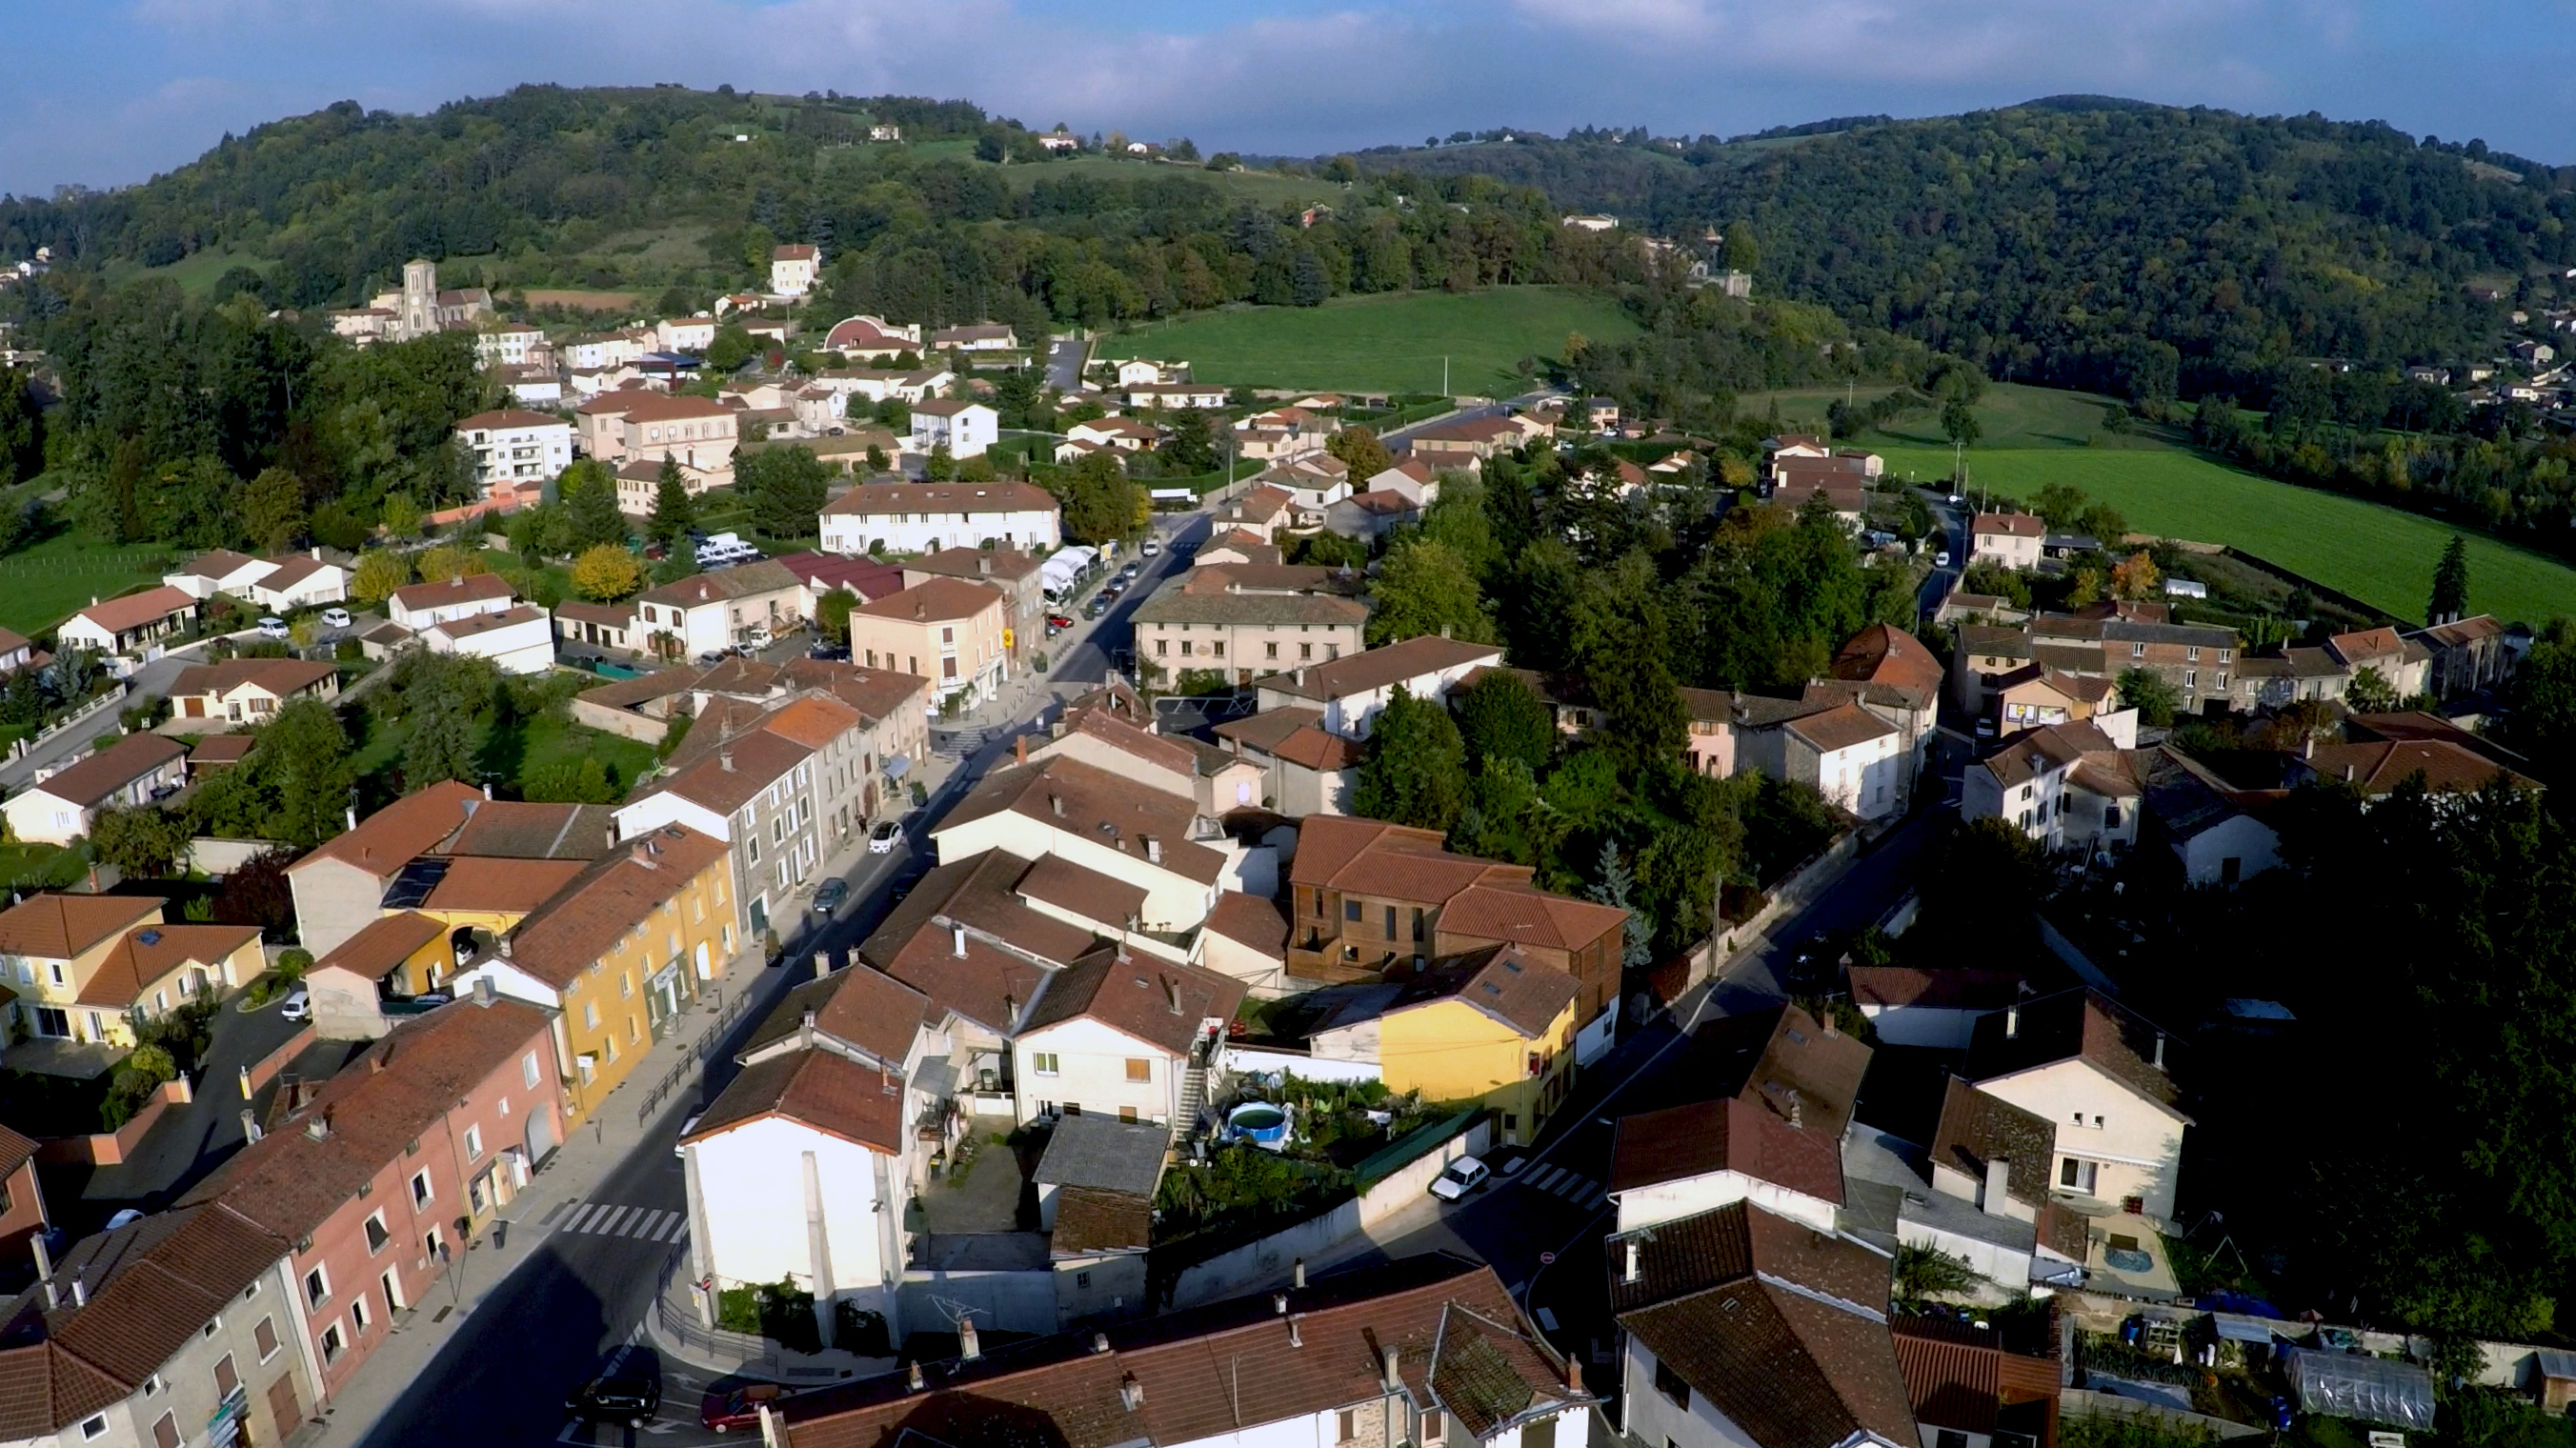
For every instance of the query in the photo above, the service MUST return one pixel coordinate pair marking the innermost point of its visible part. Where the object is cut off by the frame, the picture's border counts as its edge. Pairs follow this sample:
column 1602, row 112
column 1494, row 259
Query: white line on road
column 1547, row 1178
column 677, row 1222
column 580, row 1221
column 608, row 1226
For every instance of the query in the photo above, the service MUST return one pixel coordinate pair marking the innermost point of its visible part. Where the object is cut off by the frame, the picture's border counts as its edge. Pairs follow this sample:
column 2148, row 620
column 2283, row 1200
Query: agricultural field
column 2378, row 554
column 2013, row 416
column 1390, row 343
column 43, row 584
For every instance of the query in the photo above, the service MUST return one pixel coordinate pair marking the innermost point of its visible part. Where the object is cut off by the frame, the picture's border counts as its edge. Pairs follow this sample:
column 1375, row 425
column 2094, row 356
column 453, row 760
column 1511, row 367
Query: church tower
column 419, row 317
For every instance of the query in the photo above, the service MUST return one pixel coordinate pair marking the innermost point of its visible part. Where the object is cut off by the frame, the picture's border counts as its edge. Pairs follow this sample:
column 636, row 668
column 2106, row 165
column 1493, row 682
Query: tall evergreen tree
column 1416, row 769
column 675, row 511
column 2450, row 583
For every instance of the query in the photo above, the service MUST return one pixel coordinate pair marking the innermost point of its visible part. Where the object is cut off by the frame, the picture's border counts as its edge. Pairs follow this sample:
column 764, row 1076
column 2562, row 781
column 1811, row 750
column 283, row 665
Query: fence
column 111, row 1148
column 675, row 1322
column 85, row 712
column 699, row 1053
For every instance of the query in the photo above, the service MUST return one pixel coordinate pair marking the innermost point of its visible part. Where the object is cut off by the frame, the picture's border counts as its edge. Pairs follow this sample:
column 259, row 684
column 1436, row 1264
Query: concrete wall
column 620, row 722
column 1669, row 1201
column 1254, row 1060
column 109, row 1148
column 1246, row 1267
column 1012, row 1301
column 751, row 1183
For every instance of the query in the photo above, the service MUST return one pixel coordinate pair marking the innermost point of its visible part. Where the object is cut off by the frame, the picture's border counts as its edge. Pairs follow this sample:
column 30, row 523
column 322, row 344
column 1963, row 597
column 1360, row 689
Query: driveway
column 192, row 1139
column 1064, row 362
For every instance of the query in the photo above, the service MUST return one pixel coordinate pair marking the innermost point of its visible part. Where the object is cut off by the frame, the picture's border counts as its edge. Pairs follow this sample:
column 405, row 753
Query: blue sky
column 112, row 91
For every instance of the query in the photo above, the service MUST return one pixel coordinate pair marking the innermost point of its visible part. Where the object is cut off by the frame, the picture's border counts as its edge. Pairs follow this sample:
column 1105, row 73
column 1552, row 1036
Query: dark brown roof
column 222, row 749
column 54, row 926
column 2071, row 1025
column 1821, row 1068
column 1155, row 1001
column 1104, row 808
column 1214, row 1371
column 2017, row 525
column 1373, row 857
column 975, row 563
column 607, row 898
column 1296, row 735
column 1965, row 988
column 1952, row 1383
column 2380, row 766
column 1977, row 1128
column 1005, row 496
column 410, row 827
column 1089, row 894
column 1161, row 750
column 1521, row 914
column 1782, row 1327
column 280, row 677
column 111, row 769
column 992, row 981
column 1089, row 1220
column 120, row 615
column 934, row 599
column 1377, row 668
column 1253, row 921
column 627, row 693
column 15, row 1151
column 761, row 575
column 475, row 589
column 730, row 772
column 822, row 1089
column 528, row 830
column 1885, row 654
column 863, row 1008
column 1730, row 1135
column 1841, row 727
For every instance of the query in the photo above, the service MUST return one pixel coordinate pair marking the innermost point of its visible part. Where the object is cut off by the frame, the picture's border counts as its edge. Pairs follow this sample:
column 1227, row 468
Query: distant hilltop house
column 1060, row 140
column 793, row 269
column 1594, row 221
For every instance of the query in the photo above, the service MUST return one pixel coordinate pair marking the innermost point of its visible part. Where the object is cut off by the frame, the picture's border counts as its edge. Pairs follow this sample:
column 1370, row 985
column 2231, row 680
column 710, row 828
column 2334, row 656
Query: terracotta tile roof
column 1844, row 726
column 1952, row 1383
column 290, row 571
column 865, row 577
column 1159, row 750
column 611, row 615
column 1083, row 799
column 1460, row 1346
column 142, row 956
column 813, row 721
column 117, row 615
column 627, row 693
column 935, row 600
column 393, row 836
column 673, row 407
column 1158, row 1002
column 1518, row 913
column 508, row 886
column 1730, row 1135
column 288, row 1183
column 15, row 1151
column 1966, row 988
column 215, row 564
column 1781, row 1327
column 2072, row 1025
column 1296, row 735
column 1885, row 654
column 1372, row 857
column 112, row 769
column 2380, row 766
column 508, row 417
column 607, row 898
column 53, row 926
column 1252, row 921
column 2363, row 646
column 1089, row 1221
column 386, row 942
column 821, row 1089
column 729, row 772
column 1009, row 948
column 976, row 563
column 477, row 623
column 1977, row 1128
column 1378, row 668
column 858, row 1006
column 2464, row 632
column 1057, row 881
column 761, row 575
column 478, row 588
column 530, row 830
column 2012, row 525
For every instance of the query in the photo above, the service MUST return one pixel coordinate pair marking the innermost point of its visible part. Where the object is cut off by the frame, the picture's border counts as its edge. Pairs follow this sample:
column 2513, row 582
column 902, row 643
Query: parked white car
column 272, row 628
column 299, row 1005
column 1463, row 1176
column 335, row 617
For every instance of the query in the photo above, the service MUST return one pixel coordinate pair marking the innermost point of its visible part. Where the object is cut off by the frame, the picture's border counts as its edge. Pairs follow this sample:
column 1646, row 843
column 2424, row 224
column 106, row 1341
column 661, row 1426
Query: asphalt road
column 1394, row 436
column 1064, row 362
column 559, row 1316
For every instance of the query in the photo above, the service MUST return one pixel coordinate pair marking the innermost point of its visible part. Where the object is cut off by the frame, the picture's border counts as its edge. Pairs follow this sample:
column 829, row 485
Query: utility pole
column 1444, row 374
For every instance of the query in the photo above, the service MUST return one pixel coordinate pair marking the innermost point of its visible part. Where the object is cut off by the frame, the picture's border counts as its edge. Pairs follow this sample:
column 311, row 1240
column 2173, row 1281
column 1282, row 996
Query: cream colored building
column 954, row 633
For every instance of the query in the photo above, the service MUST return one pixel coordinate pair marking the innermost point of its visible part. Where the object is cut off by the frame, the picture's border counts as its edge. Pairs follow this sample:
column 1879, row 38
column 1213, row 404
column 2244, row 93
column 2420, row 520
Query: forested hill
column 2049, row 241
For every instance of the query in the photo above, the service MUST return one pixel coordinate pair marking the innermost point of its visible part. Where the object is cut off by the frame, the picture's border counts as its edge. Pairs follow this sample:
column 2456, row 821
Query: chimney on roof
column 1297, row 1274
column 1388, row 1363
column 1295, row 1339
column 44, row 1267
column 80, row 1291
column 805, row 1030
column 968, row 1349
column 1019, row 749
column 1998, row 1171
column 353, row 817
column 1100, row 1342
column 1635, row 1267
column 2012, row 1021
column 250, row 1125
column 957, row 935
column 376, row 1062
column 2308, row 747
column 1279, row 1304
column 317, row 552
column 2159, row 1061
column 505, row 947
column 2347, row 774
column 724, row 760
column 1056, row 802
column 1153, row 850
column 1825, row 1017
column 319, row 1126
column 822, row 964
column 1131, row 1393
column 487, row 789
column 911, row 1380
column 1797, row 1121
column 1172, row 994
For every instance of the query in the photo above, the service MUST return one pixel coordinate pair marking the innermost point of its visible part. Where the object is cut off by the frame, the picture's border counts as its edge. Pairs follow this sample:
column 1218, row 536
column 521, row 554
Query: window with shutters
column 165, row 1434
column 264, row 1337
column 1139, row 1069
column 225, row 1378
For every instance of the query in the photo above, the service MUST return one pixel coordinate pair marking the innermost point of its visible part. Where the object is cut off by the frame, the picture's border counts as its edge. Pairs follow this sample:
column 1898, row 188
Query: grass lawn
column 1389, row 343
column 198, row 272
column 26, row 866
column 511, row 756
column 2376, row 553
column 45, row 583
column 2013, row 416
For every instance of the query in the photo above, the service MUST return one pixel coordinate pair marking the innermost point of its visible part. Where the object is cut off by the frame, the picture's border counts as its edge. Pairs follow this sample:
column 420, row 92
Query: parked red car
column 1060, row 620
column 738, row 1406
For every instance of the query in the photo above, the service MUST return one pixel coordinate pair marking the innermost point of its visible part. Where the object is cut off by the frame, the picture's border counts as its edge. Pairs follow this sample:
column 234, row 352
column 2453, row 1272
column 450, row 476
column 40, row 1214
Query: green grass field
column 2378, row 554
column 42, row 585
column 1390, row 343
column 2013, row 416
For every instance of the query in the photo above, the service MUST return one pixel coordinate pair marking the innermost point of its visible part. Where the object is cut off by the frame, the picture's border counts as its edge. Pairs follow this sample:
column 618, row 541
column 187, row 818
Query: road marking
column 677, row 1222
column 580, row 1220
column 1597, row 1199
column 608, row 1225
column 1544, row 1179
column 1573, row 1188
column 657, row 1224
column 559, row 1208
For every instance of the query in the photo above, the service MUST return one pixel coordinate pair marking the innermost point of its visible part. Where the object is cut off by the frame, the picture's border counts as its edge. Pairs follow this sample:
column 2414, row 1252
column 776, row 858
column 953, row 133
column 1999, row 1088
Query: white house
column 219, row 570
column 926, row 517
column 61, row 807
column 130, row 624
column 1352, row 690
column 2011, row 539
column 520, row 639
column 1122, row 1035
column 1935, row 1009
column 964, row 428
column 708, row 612
column 508, row 346
column 299, row 580
column 684, row 334
column 417, row 606
column 1110, row 825
column 1679, row 1162
column 792, row 269
column 512, row 444
column 2101, row 1074
column 1854, row 758
column 792, row 1172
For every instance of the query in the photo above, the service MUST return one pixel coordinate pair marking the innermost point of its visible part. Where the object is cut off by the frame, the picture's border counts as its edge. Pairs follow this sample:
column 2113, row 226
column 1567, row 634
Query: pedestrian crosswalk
column 604, row 1219
column 1574, row 1187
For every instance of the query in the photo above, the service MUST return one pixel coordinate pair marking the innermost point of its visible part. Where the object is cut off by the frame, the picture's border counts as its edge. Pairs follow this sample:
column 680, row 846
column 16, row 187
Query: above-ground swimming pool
column 1258, row 1122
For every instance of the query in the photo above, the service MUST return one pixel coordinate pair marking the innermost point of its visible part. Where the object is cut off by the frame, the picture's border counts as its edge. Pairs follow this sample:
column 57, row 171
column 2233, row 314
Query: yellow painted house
column 1495, row 1026
column 94, row 967
column 618, row 952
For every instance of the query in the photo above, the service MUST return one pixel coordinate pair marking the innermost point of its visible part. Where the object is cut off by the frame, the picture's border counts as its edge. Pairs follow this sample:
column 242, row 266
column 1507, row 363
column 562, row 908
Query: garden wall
column 1011, row 1301
column 264, row 1070
column 1793, row 892
column 1262, row 1060
column 110, row 1148
column 638, row 727
column 221, row 857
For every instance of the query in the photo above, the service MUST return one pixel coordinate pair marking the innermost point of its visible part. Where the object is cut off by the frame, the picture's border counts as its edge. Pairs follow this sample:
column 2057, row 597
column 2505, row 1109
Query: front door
column 284, row 1412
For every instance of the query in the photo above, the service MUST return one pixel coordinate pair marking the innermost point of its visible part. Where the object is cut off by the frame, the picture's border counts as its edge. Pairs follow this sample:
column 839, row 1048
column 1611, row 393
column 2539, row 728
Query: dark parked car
column 1098, row 606
column 829, row 895
column 736, row 1405
column 628, row 1390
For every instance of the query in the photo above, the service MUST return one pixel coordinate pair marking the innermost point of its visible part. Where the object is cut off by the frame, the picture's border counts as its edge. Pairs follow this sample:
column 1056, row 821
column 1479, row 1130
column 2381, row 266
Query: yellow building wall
column 1450, row 1051
column 109, row 1026
column 425, row 969
column 607, row 1013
